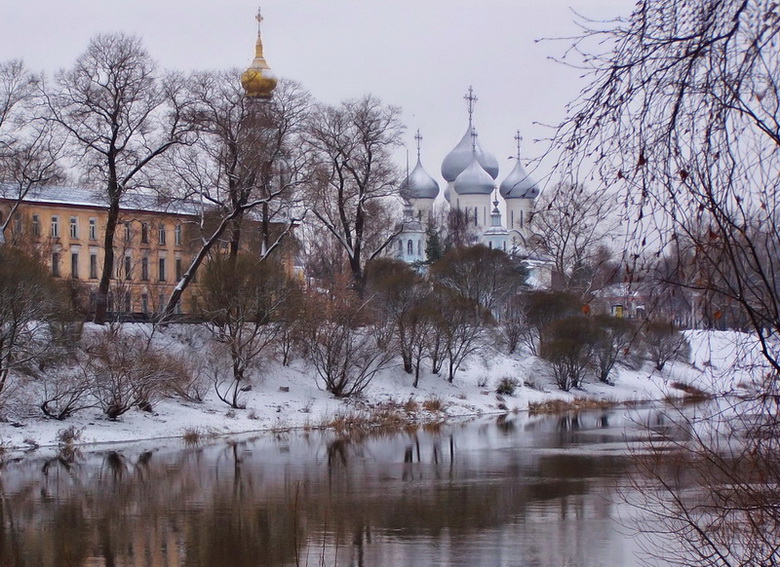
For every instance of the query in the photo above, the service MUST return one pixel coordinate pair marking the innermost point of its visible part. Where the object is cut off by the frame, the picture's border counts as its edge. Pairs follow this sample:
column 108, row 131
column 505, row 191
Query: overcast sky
column 421, row 55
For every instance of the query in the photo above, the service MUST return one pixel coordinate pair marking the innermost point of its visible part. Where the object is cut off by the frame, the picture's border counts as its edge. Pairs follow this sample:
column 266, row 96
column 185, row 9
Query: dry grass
column 692, row 393
column 434, row 404
column 388, row 417
column 194, row 436
column 562, row 406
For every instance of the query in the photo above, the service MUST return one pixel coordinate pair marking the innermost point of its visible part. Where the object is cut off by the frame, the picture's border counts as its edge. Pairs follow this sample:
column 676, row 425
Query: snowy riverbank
column 289, row 397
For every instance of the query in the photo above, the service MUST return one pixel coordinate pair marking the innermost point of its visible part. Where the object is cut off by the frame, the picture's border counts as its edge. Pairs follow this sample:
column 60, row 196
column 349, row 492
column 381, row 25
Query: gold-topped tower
column 258, row 80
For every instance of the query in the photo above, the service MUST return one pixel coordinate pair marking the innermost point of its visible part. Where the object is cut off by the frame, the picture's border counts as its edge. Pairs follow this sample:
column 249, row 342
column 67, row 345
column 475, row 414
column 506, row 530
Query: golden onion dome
column 258, row 80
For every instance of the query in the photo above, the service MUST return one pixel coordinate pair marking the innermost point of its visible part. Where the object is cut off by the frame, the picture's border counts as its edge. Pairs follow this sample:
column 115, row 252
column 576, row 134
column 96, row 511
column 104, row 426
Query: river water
column 516, row 491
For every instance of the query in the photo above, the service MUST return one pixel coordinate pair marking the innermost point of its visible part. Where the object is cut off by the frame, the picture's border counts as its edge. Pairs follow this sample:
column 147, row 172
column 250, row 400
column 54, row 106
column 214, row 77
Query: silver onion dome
column 518, row 184
column 473, row 180
column 419, row 185
column 458, row 159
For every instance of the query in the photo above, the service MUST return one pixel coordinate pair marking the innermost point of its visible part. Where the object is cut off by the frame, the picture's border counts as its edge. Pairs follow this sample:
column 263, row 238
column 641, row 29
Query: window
column 400, row 247
column 409, row 248
column 145, row 233
column 144, row 303
column 55, row 264
column 128, row 231
column 93, row 266
column 476, row 216
column 521, row 219
column 36, row 225
column 55, row 227
column 18, row 225
column 178, row 267
column 145, row 269
column 177, row 235
column 93, row 229
column 128, row 302
column 128, row 267
column 511, row 219
column 161, row 265
column 161, row 235
column 74, row 265
column 419, row 248
column 74, row 227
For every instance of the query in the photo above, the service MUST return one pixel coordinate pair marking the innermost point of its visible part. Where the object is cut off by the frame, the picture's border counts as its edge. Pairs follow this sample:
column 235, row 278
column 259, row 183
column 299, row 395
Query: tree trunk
column 101, row 301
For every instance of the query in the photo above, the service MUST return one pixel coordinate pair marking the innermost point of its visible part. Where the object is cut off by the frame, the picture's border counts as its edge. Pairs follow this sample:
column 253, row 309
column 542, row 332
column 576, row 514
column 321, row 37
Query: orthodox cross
column 259, row 19
column 418, row 139
column 519, row 140
column 470, row 100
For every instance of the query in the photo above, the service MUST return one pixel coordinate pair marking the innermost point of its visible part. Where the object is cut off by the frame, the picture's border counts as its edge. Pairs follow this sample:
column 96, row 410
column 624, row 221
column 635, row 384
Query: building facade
column 66, row 227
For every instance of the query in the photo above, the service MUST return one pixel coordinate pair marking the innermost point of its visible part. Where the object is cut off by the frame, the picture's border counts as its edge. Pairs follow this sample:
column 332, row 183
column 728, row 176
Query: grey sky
column 419, row 54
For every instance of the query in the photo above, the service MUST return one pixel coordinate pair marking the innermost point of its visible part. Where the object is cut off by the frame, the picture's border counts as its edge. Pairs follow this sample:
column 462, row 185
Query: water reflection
column 514, row 491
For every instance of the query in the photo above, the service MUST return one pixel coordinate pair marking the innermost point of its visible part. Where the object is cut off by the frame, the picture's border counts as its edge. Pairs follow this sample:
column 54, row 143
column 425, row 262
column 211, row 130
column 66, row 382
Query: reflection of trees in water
column 223, row 505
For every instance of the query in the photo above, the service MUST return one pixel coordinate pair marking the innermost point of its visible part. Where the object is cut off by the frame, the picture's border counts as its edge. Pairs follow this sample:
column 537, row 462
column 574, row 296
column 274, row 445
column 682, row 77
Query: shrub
column 568, row 346
column 342, row 344
column 612, row 339
column 664, row 343
column 507, row 386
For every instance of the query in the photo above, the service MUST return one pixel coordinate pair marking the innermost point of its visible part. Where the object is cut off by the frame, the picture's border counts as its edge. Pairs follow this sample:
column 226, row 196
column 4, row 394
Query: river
column 521, row 490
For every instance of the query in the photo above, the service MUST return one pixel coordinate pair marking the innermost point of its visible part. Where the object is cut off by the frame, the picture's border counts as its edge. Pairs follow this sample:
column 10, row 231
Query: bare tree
column 241, row 300
column 682, row 116
column 29, row 149
column 571, row 225
column 353, row 146
column 398, row 296
column 119, row 116
column 248, row 158
column 29, row 298
column 344, row 342
column 459, row 327
column 487, row 277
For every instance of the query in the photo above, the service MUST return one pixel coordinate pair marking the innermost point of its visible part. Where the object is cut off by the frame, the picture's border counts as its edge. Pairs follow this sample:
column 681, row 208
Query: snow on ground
column 291, row 397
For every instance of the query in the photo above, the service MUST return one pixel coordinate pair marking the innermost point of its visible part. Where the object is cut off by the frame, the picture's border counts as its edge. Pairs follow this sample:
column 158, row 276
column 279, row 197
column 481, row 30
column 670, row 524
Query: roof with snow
column 81, row 197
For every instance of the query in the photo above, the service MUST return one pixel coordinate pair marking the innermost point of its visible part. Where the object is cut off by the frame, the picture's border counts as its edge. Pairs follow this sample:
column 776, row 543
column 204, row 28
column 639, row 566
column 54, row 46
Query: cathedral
column 471, row 176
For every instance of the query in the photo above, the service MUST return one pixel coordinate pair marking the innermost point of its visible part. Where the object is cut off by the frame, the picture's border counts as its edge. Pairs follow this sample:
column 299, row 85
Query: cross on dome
column 471, row 100
column 259, row 19
column 519, row 140
column 418, row 139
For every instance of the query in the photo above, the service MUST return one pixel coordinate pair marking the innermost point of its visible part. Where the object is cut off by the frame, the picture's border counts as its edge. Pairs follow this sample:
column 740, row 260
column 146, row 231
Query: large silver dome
column 519, row 185
column 419, row 185
column 473, row 180
column 460, row 157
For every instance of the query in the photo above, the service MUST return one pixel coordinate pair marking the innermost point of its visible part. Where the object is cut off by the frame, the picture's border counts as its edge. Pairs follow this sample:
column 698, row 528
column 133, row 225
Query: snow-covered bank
column 289, row 397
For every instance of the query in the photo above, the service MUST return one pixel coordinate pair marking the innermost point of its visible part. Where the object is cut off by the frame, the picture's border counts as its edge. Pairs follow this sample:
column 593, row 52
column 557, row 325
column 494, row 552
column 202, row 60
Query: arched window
column 419, row 248
column 400, row 247
column 521, row 219
column 490, row 244
column 476, row 216
column 410, row 248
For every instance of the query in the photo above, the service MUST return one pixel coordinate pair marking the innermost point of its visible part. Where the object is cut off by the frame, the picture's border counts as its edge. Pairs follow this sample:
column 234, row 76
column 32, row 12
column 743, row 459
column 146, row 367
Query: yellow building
column 153, row 244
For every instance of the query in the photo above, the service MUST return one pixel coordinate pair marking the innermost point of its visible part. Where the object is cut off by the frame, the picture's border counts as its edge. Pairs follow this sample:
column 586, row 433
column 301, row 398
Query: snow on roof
column 80, row 197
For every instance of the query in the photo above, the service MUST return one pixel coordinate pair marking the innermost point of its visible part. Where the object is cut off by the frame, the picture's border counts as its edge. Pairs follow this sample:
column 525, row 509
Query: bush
column 507, row 386
column 342, row 343
column 612, row 339
column 664, row 343
column 125, row 370
column 568, row 346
